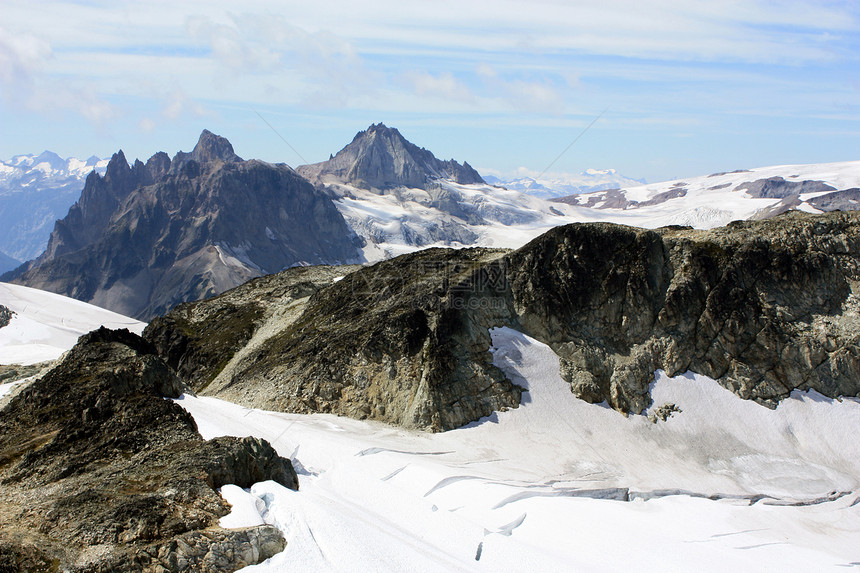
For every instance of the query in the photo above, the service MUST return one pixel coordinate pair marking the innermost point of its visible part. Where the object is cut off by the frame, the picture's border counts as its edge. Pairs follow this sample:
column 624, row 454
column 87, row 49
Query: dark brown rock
column 99, row 472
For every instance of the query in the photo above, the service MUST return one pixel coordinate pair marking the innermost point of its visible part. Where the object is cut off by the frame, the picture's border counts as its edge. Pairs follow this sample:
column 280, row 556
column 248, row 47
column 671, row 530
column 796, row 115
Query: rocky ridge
column 148, row 236
column 764, row 307
column 100, row 473
column 381, row 158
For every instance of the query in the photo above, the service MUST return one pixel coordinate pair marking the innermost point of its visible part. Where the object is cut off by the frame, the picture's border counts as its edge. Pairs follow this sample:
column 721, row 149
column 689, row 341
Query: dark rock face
column 845, row 200
column 198, row 339
column 381, row 158
column 100, row 473
column 779, row 188
column 390, row 342
column 763, row 307
column 5, row 316
column 146, row 237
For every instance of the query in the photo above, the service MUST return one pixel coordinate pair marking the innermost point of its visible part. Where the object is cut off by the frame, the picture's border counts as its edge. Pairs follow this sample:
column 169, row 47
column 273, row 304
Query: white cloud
column 322, row 65
column 444, row 86
column 177, row 104
column 146, row 125
column 22, row 56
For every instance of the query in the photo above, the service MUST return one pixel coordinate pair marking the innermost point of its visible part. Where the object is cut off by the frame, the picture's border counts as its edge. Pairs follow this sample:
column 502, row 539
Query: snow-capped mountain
column 562, row 185
column 714, row 200
column 35, row 191
column 400, row 198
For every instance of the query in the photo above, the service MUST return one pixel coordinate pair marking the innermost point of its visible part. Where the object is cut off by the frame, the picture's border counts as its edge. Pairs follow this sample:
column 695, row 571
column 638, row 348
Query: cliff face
column 381, row 158
column 100, row 473
column 146, row 237
column 764, row 307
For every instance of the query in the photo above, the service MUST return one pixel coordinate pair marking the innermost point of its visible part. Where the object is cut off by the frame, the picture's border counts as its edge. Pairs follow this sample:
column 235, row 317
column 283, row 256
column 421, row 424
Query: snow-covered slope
column 561, row 185
column 554, row 485
column 35, row 191
column 397, row 221
column 714, row 200
column 46, row 324
column 405, row 220
column 561, row 485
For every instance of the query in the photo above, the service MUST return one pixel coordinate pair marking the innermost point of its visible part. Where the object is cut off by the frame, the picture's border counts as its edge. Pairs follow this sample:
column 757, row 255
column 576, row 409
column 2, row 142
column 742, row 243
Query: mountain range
column 35, row 191
column 551, row 186
column 148, row 236
column 688, row 390
column 145, row 237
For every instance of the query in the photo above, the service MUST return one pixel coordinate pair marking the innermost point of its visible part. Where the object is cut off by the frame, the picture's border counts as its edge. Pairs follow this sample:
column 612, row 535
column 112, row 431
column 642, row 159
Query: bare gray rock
column 779, row 188
column 146, row 237
column 381, row 158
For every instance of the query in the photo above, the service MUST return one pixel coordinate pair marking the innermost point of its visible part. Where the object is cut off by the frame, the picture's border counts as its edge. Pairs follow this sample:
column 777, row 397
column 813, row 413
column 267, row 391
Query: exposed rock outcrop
column 146, row 237
column 764, row 307
column 779, row 188
column 200, row 339
column 404, row 341
column 100, row 473
column 381, row 158
column 5, row 316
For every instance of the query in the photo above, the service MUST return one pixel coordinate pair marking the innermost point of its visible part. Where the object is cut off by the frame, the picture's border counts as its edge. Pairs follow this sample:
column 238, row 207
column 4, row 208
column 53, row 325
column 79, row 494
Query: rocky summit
column 98, row 472
column 764, row 307
column 381, row 158
column 146, row 237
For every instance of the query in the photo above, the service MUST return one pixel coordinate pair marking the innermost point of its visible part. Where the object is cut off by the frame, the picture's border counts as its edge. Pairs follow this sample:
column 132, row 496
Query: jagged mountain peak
column 211, row 147
column 381, row 158
column 117, row 166
column 147, row 236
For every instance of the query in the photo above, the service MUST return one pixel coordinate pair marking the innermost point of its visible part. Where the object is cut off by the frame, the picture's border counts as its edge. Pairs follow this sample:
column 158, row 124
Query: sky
column 678, row 88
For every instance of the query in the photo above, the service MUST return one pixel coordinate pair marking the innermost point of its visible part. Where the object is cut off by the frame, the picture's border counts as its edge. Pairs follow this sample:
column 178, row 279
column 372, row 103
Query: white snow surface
column 400, row 221
column 45, row 170
column 714, row 200
column 551, row 185
column 46, row 324
column 540, row 487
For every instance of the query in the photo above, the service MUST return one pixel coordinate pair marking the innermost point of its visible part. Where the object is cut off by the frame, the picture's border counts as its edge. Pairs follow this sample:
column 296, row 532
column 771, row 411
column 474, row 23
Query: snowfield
column 401, row 221
column 561, row 485
column 46, row 324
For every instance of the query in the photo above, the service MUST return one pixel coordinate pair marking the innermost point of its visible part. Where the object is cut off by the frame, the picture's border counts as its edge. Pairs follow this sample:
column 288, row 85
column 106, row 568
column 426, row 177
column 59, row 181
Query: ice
column 543, row 487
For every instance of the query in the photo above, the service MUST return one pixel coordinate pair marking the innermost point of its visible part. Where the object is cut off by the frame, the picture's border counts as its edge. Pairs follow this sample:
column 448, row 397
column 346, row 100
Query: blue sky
column 688, row 87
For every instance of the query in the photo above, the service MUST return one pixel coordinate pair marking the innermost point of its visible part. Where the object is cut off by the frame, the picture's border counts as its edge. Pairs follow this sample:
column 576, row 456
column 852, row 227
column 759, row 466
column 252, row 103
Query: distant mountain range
column 35, row 191
column 568, row 184
column 145, row 237
column 719, row 198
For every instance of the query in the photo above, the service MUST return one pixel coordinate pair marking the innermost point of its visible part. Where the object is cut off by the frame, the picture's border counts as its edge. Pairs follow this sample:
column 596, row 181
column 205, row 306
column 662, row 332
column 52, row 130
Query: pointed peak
column 117, row 166
column 211, row 147
column 379, row 129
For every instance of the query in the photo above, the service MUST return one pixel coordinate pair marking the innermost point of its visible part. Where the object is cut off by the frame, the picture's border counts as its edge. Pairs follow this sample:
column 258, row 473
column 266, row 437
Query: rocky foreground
column 99, row 472
column 764, row 307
